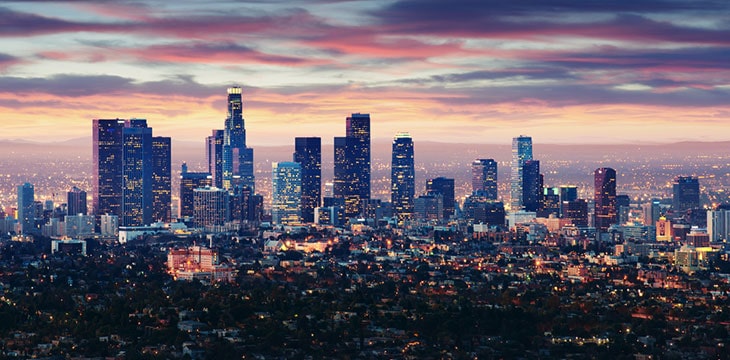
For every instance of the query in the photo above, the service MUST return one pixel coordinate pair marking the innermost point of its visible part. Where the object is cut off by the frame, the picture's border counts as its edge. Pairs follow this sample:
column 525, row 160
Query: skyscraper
column 686, row 191
column 76, row 202
column 211, row 206
column 190, row 181
column 484, row 178
column 214, row 154
column 137, row 174
column 107, row 161
column 237, row 158
column 352, row 164
column 445, row 187
column 718, row 223
column 26, row 208
column 308, row 153
column 532, row 192
column 161, row 179
column 287, row 192
column 402, row 178
column 521, row 152
column 605, row 198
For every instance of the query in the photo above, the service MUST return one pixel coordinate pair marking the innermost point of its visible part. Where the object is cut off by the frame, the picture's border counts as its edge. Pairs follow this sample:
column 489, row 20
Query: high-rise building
column 605, row 198
column 211, row 207
column 190, row 181
column 76, row 202
column 237, row 159
column 484, row 178
column 445, row 187
column 352, row 164
column 568, row 193
column 576, row 211
column 308, row 153
column 214, row 154
column 623, row 208
column 137, row 174
column 429, row 207
column 287, row 192
column 686, row 190
column 161, row 179
column 521, row 152
column 532, row 192
column 652, row 211
column 718, row 224
column 550, row 202
column 26, row 208
column 107, row 137
column 402, row 178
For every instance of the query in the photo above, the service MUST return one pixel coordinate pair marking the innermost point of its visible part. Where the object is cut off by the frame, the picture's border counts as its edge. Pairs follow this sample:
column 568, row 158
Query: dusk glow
column 457, row 71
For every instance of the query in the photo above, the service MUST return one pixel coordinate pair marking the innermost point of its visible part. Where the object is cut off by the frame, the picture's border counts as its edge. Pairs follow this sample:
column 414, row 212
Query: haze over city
column 462, row 71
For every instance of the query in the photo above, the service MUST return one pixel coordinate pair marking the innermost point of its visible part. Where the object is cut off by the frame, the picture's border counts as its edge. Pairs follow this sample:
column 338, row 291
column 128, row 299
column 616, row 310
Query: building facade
column 484, row 178
column 287, row 193
column 604, row 197
column 521, row 152
column 308, row 153
column 402, row 178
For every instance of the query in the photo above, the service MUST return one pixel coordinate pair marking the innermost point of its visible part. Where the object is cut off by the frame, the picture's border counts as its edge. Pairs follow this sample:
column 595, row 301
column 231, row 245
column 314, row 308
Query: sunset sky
column 454, row 71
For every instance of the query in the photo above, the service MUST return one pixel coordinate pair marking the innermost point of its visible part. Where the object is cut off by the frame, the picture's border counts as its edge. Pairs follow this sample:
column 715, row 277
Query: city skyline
column 467, row 72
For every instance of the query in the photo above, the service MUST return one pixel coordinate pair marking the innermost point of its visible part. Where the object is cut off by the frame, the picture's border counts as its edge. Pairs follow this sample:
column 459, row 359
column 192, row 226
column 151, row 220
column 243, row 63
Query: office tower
column 210, row 206
column 137, row 174
column 718, row 223
column 550, row 202
column 79, row 225
column 664, row 229
column 445, row 187
column 623, row 206
column 214, row 154
column 532, row 192
column 576, row 211
column 480, row 210
column 287, row 192
column 107, row 161
column 521, row 152
column 237, row 162
column 686, row 190
column 190, row 181
column 76, row 202
column 26, row 208
column 352, row 164
column 484, row 178
column 604, row 198
column 652, row 211
column 429, row 207
column 109, row 225
column 308, row 153
column 161, row 179
column 402, row 178
column 568, row 193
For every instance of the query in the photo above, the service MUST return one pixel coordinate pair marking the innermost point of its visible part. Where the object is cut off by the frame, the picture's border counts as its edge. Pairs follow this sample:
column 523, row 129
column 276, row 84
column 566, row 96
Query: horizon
column 460, row 72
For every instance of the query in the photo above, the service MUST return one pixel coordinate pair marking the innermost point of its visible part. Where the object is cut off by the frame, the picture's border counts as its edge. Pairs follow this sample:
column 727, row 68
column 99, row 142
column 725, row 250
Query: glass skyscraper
column 484, row 178
column 214, row 155
column 107, row 161
column 308, row 153
column 189, row 181
column 521, row 152
column 76, row 202
column 605, row 198
column 26, row 208
column 532, row 192
column 287, row 192
column 237, row 159
column 685, row 193
column 352, row 164
column 161, row 179
column 402, row 178
column 137, row 174
column 445, row 187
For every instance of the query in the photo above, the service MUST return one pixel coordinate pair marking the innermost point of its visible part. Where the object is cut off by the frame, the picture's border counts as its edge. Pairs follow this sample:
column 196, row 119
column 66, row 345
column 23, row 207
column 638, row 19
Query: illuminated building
column 210, row 207
column 352, row 164
column 521, row 152
column 479, row 209
column 664, row 230
column 484, row 178
column 197, row 262
column 287, row 192
column 718, row 224
column 214, row 154
column 576, row 211
column 161, row 179
column 623, row 206
column 604, row 198
column 237, row 158
column 76, row 202
column 308, row 153
column 550, row 202
column 79, row 225
column 107, row 161
column 136, row 174
column 402, row 178
column 686, row 193
column 109, row 225
column 568, row 193
column 429, row 207
column 445, row 187
column 69, row 246
column 532, row 192
column 190, row 181
column 652, row 211
column 26, row 208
